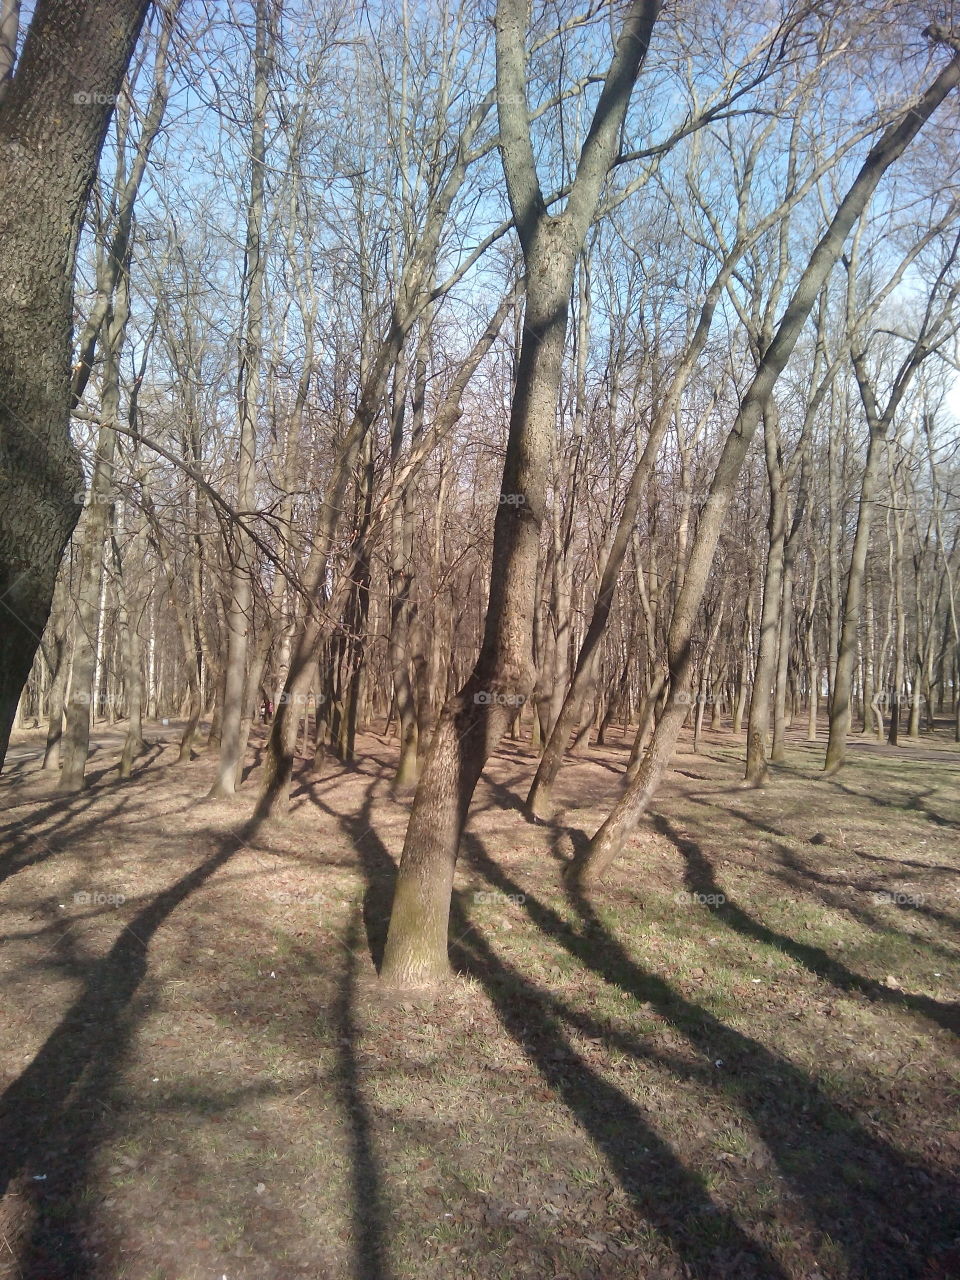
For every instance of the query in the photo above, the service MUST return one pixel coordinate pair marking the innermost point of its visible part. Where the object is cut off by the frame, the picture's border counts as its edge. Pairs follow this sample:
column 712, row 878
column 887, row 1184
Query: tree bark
column 476, row 718
column 53, row 118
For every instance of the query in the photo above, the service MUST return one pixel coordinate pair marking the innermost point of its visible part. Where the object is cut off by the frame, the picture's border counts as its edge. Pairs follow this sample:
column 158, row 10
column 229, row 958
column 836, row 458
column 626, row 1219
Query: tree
column 937, row 324
column 625, row 814
column 238, row 695
column 477, row 717
column 53, row 118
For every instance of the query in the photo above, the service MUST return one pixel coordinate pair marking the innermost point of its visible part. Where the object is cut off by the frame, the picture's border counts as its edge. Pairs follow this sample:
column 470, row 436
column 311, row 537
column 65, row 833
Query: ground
column 737, row 1059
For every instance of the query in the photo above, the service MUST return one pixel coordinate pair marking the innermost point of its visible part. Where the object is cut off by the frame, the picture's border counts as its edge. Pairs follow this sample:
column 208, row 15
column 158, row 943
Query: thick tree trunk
column 53, row 117
column 478, row 716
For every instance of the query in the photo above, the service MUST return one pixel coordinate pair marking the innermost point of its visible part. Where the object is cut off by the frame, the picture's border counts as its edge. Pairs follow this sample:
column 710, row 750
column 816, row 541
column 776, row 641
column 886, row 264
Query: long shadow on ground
column 56, row 1114
column 670, row 1196
column 899, row 1213
column 700, row 879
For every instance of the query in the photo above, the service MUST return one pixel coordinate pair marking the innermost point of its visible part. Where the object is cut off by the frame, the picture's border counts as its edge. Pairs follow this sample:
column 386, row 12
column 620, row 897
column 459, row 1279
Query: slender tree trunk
column 785, row 643
column 840, row 710
column 240, row 607
column 758, row 721
column 83, row 692
column 608, row 841
column 129, row 625
column 476, row 718
column 62, row 643
column 899, row 635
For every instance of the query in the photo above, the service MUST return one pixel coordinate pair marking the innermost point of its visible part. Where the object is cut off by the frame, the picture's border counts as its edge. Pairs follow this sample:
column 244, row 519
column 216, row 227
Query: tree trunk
column 476, row 718
column 240, row 607
column 62, row 646
column 52, row 125
column 80, row 708
column 608, row 841
column 758, row 720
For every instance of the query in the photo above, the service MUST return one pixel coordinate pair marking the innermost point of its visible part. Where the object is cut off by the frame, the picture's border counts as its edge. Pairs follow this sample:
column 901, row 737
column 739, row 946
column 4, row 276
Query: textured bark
column 53, row 117
column 476, row 718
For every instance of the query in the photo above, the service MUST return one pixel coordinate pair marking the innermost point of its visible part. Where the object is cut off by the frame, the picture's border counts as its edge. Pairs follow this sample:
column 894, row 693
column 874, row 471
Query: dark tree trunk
column 53, row 117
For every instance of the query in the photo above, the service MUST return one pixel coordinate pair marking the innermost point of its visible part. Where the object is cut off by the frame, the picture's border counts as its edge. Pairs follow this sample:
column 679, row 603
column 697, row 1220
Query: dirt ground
column 738, row 1059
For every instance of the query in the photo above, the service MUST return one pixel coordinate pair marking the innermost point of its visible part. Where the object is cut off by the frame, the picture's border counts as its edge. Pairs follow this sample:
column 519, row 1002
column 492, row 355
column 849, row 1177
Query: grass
column 737, row 1059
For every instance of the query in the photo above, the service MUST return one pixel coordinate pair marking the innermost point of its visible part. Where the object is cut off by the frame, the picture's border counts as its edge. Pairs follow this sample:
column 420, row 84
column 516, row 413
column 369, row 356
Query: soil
column 738, row 1058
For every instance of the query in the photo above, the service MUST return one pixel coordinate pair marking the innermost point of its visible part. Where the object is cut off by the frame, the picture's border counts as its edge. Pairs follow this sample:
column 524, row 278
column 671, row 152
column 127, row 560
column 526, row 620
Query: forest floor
column 738, row 1059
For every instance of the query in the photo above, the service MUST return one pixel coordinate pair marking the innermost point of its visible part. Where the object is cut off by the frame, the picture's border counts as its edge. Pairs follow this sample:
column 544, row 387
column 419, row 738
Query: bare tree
column 477, row 717
column 608, row 840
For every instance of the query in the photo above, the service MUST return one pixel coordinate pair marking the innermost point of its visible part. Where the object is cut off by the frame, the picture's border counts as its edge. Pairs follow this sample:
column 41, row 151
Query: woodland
column 479, row 638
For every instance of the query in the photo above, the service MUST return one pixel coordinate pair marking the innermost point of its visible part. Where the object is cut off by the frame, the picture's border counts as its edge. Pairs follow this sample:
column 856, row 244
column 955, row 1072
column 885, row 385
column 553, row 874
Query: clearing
column 738, row 1059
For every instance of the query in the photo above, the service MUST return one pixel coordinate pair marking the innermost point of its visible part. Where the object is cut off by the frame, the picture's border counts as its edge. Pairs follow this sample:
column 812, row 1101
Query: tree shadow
column 810, row 1137
column 805, row 879
column 700, row 879
column 57, row 1113
column 671, row 1197
column 379, row 869
column 369, row 1209
column 644, row 1164
column 915, row 803
column 23, row 851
